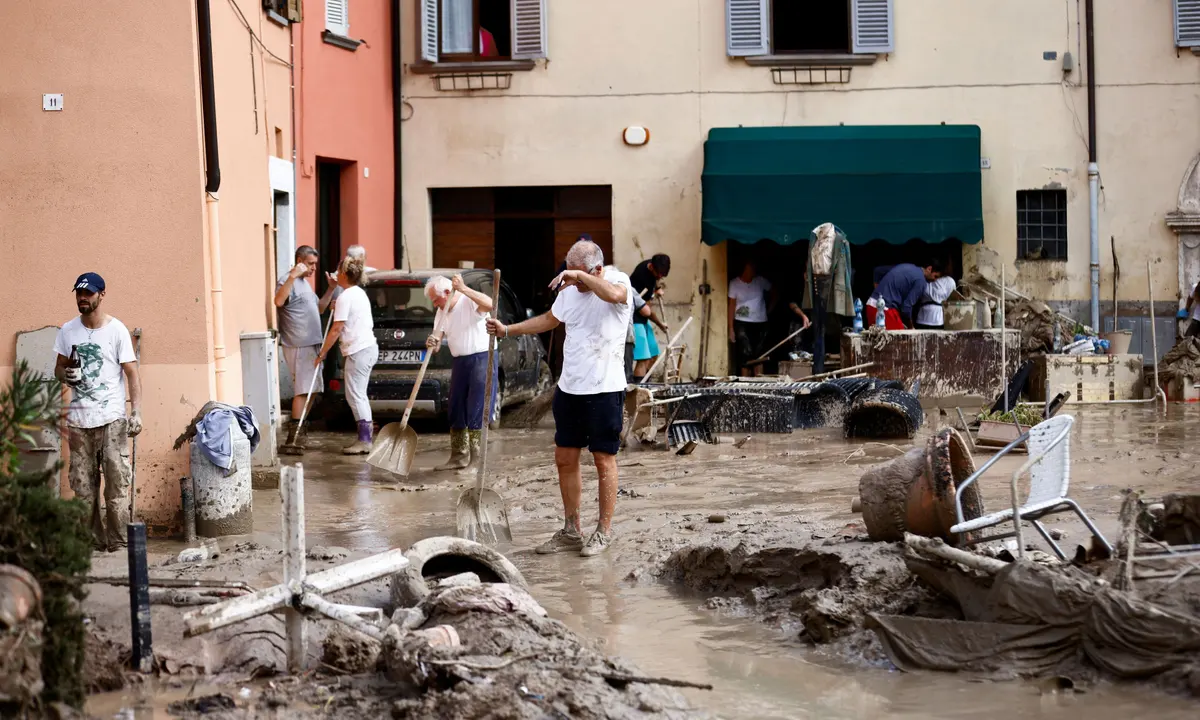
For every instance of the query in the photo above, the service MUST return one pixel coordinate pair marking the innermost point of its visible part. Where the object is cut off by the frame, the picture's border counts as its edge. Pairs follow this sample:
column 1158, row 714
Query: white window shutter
column 746, row 30
column 1187, row 23
column 337, row 20
column 429, row 30
column 871, row 26
column 529, row 29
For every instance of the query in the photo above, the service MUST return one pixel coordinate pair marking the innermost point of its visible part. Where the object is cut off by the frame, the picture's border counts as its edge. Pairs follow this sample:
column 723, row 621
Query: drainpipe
column 1093, row 167
column 397, row 155
column 212, row 183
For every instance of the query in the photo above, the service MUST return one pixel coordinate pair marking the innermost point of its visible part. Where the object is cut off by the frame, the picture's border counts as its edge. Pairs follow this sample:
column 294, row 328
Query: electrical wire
column 254, row 36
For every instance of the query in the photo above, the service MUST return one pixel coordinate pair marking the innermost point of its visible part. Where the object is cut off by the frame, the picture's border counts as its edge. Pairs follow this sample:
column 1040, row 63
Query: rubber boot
column 475, row 443
column 460, row 453
column 362, row 446
column 293, row 440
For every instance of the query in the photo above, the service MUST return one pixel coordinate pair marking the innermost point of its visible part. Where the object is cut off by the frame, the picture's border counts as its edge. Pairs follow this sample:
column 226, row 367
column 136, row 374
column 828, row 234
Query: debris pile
column 488, row 650
column 1036, row 322
column 1180, row 361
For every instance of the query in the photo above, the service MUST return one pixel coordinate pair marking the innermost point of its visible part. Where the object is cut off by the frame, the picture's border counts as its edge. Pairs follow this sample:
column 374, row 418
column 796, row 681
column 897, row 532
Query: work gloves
column 133, row 424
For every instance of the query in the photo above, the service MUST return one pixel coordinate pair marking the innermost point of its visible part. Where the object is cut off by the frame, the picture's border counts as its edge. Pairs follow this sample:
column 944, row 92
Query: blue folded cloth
column 212, row 432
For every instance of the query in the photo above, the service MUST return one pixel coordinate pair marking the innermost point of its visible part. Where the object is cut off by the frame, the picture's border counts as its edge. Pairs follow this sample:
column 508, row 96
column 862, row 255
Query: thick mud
column 739, row 603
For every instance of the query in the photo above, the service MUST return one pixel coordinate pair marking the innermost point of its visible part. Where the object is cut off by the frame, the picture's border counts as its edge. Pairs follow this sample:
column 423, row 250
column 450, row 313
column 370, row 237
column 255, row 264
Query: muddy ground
column 740, row 567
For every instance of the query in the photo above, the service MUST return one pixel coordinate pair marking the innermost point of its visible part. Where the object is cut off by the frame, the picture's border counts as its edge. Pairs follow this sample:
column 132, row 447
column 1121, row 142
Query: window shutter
column 294, row 12
column 1187, row 23
column 746, row 28
column 871, row 26
column 429, row 30
column 336, row 19
column 528, row 29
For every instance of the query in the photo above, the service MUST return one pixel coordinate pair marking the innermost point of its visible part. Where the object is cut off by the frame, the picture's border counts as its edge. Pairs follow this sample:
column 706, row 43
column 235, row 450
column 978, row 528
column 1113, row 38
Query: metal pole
column 291, row 487
column 139, row 599
column 1003, row 340
column 1093, row 168
column 1153, row 332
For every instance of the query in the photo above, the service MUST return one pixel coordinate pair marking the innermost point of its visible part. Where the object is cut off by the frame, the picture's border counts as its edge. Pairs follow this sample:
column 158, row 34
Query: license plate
column 401, row 357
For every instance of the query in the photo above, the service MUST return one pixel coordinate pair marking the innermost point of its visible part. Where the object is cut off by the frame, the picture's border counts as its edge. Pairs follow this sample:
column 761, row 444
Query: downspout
column 397, row 154
column 212, row 183
column 1093, row 168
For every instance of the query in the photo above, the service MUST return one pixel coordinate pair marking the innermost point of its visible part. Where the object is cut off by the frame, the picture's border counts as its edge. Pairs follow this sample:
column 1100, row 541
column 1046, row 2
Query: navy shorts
column 589, row 421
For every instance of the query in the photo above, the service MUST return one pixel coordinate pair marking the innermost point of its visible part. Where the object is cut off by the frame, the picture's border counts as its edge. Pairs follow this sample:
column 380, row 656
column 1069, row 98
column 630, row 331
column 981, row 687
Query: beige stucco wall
column 664, row 65
column 114, row 184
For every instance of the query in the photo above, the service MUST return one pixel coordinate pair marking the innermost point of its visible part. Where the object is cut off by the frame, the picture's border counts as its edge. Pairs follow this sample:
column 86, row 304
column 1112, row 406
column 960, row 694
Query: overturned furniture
column 1049, row 468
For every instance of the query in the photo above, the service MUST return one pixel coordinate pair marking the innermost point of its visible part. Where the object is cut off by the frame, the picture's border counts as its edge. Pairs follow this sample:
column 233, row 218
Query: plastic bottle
column 880, row 314
column 1057, row 337
column 858, row 319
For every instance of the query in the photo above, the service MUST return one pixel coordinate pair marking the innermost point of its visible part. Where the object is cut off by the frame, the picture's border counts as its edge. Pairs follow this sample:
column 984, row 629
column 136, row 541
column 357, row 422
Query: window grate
column 818, row 75
column 472, row 81
column 1042, row 224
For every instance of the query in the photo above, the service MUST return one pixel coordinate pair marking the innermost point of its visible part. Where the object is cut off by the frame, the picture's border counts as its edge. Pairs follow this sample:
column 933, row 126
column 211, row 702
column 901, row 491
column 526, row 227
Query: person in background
column 594, row 304
column 487, row 43
column 300, row 334
column 462, row 316
column 879, row 273
column 1192, row 309
column 930, row 314
column 644, row 280
column 640, row 309
column 901, row 289
column 828, row 284
column 751, row 299
column 354, row 328
column 95, row 358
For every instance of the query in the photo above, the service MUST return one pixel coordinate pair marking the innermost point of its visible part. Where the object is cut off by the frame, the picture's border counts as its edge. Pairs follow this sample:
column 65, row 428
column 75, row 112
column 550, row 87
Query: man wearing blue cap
column 96, row 359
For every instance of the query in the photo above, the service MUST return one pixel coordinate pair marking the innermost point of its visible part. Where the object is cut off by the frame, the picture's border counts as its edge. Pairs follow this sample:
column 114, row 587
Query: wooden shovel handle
column 412, row 397
column 487, row 393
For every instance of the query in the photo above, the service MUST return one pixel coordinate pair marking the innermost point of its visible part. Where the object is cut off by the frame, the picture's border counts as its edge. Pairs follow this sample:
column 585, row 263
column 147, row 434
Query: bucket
column 1118, row 341
column 960, row 314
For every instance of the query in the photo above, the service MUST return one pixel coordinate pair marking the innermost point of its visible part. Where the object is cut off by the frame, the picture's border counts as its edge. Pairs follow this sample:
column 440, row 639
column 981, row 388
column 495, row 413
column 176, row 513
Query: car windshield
column 405, row 303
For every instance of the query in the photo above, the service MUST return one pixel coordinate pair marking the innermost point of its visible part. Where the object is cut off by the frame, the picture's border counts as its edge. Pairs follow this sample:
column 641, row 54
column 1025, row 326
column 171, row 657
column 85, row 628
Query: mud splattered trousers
column 468, row 386
column 357, row 374
column 104, row 448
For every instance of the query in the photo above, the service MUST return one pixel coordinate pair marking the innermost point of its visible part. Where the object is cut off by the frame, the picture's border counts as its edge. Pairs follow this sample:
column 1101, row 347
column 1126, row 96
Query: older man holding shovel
column 595, row 305
column 462, row 319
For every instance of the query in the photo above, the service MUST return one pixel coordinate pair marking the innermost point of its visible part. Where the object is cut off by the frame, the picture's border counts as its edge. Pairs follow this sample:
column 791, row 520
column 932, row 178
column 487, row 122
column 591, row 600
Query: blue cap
column 89, row 281
column 584, row 236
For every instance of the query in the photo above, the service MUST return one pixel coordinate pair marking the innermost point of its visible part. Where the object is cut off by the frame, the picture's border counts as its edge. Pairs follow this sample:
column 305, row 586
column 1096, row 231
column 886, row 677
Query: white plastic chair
column 1049, row 466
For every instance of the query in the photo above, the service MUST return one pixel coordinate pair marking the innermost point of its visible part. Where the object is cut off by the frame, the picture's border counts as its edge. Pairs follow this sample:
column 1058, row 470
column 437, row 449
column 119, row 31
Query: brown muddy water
column 758, row 671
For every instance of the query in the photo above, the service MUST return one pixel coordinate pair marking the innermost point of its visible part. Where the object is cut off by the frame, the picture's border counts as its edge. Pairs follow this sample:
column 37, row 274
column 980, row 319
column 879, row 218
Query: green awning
column 875, row 182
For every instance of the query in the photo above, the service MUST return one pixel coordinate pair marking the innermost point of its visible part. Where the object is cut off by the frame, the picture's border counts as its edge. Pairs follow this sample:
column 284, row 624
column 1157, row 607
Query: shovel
column 482, row 513
column 396, row 443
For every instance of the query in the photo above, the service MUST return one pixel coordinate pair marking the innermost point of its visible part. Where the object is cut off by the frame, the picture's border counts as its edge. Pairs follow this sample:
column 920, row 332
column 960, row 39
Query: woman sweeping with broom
column 462, row 316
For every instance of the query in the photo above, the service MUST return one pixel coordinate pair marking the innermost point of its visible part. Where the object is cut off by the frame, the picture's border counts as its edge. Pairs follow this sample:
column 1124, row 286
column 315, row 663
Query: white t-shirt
column 99, row 398
column 751, row 299
column 594, row 348
column 937, row 292
column 354, row 308
column 465, row 327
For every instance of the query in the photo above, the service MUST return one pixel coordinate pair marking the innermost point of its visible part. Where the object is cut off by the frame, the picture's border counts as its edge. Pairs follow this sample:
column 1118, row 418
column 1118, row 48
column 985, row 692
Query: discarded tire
column 884, row 492
column 931, row 511
column 441, row 557
column 884, row 413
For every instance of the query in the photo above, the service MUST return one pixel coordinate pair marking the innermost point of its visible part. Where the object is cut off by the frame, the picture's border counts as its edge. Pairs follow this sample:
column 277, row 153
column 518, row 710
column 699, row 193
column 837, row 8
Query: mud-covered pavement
column 776, row 491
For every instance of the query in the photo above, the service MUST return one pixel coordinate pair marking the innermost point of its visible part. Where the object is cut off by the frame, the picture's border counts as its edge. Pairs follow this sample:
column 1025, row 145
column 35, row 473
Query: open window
column 808, row 27
column 481, row 31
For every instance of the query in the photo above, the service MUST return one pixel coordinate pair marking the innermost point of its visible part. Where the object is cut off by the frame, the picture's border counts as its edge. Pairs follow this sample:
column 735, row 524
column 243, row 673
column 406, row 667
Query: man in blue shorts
column 594, row 304
column 644, row 280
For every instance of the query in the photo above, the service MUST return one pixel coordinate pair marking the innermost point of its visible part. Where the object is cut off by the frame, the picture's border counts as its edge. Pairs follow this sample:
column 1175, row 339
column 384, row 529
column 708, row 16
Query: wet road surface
column 758, row 671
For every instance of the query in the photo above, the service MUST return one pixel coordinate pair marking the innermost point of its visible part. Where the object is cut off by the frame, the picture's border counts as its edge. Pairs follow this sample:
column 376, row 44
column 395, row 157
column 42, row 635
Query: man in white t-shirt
column 96, row 359
column 462, row 319
column 749, row 307
column 595, row 305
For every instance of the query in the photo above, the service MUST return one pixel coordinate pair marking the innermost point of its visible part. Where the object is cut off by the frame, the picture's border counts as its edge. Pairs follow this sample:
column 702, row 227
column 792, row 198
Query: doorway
column 329, row 219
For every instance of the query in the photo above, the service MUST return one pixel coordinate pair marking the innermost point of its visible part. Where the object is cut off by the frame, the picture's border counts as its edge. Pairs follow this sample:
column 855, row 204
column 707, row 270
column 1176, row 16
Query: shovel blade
column 483, row 516
column 393, row 449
